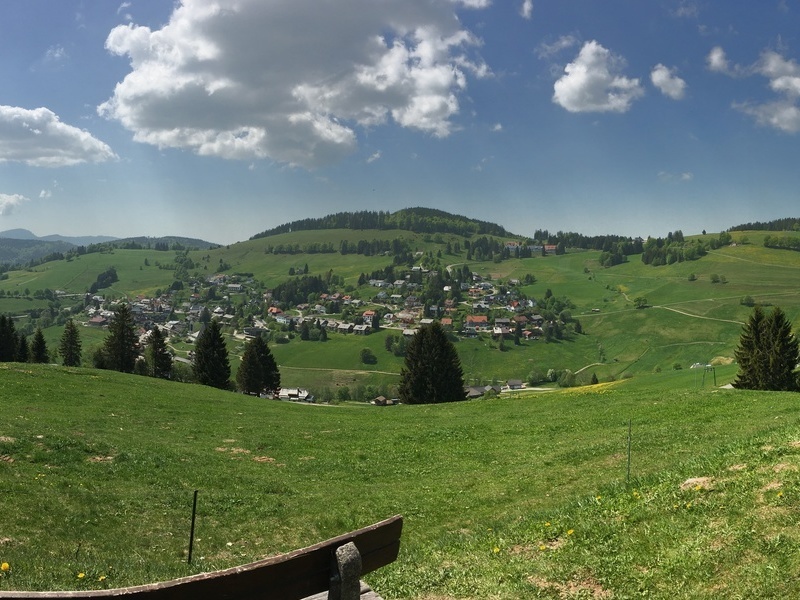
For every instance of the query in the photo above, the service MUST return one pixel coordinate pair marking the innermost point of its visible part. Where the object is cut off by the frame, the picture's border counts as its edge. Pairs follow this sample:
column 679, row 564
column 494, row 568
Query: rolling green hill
column 522, row 496
column 690, row 319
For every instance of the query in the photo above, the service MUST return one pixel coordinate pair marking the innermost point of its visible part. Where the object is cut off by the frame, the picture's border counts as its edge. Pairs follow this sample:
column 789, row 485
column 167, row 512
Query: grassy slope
column 97, row 471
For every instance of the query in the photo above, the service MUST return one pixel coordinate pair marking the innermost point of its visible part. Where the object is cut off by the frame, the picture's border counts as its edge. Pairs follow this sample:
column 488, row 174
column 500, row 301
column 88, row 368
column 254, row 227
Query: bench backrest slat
column 291, row 576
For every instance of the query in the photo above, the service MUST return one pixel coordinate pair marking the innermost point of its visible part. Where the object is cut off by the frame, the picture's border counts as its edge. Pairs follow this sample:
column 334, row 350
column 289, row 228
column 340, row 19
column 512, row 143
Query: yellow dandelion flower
column 688, row 505
column 570, row 532
column 547, row 524
column 101, row 578
column 542, row 547
column 780, row 494
column 5, row 567
column 81, row 575
column 496, row 550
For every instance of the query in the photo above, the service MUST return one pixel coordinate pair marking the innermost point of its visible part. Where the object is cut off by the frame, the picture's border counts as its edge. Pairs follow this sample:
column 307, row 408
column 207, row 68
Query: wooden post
column 630, row 424
column 191, row 532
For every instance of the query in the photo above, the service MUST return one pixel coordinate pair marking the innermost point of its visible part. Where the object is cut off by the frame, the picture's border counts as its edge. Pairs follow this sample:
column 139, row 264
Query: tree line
column 418, row 220
column 258, row 372
column 15, row 347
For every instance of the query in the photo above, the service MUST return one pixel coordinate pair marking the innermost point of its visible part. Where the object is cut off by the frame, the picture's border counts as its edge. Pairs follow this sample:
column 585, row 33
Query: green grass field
column 689, row 321
column 523, row 496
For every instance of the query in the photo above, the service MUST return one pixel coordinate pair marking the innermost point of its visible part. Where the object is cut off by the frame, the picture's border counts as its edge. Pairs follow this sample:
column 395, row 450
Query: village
column 496, row 310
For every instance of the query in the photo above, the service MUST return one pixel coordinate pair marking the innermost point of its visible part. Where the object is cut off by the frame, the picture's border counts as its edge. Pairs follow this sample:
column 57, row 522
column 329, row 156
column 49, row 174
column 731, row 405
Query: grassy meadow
column 689, row 320
column 523, row 496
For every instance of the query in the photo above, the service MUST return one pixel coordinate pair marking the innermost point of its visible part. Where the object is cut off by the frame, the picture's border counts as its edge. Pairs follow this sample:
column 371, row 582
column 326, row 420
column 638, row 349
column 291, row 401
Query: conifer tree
column 432, row 372
column 749, row 354
column 8, row 339
column 23, row 350
column 121, row 346
column 159, row 360
column 211, row 365
column 783, row 353
column 768, row 353
column 258, row 371
column 70, row 347
column 39, row 352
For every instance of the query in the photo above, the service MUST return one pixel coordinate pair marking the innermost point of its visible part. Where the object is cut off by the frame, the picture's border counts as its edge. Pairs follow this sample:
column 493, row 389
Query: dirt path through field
column 680, row 312
column 358, row 371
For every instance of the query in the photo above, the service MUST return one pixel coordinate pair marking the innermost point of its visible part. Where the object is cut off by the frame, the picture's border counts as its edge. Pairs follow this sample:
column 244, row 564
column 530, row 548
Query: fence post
column 191, row 532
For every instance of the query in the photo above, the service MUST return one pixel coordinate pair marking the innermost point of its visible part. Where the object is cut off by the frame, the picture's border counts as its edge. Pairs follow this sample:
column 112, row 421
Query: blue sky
column 220, row 119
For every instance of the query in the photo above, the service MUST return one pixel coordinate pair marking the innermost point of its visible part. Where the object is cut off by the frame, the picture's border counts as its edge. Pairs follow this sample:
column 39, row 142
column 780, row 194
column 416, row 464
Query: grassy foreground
column 517, row 497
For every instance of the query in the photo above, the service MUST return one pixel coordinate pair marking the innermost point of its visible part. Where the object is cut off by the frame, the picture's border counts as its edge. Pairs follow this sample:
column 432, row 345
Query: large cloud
column 37, row 137
column 290, row 81
column 593, row 83
column 8, row 202
column 783, row 112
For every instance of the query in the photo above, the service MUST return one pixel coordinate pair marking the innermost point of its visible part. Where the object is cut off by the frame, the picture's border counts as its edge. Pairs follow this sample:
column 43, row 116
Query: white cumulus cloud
column 374, row 156
column 668, row 82
column 38, row 138
column 8, row 202
column 292, row 81
column 718, row 61
column 526, row 10
column 783, row 112
column 593, row 82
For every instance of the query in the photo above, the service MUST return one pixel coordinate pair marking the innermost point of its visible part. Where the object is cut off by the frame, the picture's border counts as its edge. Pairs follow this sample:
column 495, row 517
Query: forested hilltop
column 787, row 224
column 418, row 220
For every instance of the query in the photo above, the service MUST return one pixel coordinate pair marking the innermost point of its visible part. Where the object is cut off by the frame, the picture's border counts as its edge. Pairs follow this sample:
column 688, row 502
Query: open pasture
column 98, row 471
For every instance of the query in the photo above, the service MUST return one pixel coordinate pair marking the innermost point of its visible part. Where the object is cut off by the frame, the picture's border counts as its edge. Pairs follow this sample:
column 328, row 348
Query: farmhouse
column 475, row 323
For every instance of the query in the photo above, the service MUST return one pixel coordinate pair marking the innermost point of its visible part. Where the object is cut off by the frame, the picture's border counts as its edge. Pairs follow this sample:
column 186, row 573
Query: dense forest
column 787, row 224
column 418, row 220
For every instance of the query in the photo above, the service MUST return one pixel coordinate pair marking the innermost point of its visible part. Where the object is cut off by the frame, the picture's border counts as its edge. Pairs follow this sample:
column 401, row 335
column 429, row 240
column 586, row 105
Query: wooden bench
column 333, row 566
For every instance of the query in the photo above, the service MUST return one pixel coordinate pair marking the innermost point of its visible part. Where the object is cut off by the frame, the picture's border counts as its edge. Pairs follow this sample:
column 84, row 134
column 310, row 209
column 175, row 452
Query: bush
column 368, row 357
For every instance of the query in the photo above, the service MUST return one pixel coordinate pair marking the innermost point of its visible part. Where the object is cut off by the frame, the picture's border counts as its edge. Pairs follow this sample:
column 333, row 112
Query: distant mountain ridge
column 25, row 234
column 23, row 247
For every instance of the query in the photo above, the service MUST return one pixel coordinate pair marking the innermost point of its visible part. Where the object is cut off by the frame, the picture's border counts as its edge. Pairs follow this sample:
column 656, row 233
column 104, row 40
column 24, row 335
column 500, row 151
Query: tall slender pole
column 630, row 423
column 191, row 533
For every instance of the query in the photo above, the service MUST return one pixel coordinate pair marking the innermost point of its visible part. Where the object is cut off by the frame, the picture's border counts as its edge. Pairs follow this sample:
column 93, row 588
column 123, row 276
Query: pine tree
column 8, row 339
column 749, row 354
column 768, row 353
column 432, row 372
column 258, row 371
column 39, row 352
column 211, row 366
column 70, row 347
column 121, row 346
column 159, row 360
column 23, row 350
column 783, row 353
